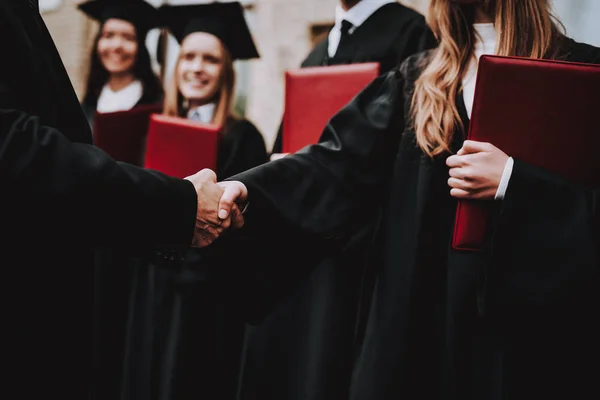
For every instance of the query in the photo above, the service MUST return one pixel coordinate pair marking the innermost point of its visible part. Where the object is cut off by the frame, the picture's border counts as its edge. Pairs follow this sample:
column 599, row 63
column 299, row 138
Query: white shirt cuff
column 508, row 167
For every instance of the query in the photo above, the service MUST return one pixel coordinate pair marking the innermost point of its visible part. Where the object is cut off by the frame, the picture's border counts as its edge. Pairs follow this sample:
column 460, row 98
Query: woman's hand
column 476, row 170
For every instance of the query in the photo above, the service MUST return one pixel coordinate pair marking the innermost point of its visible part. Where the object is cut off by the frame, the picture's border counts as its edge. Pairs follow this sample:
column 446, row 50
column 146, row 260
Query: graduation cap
column 139, row 12
column 225, row 20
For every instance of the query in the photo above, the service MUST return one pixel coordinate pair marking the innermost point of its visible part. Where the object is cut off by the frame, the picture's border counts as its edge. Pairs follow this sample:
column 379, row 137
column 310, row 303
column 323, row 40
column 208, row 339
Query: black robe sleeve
column 101, row 199
column 76, row 187
column 242, row 147
column 546, row 241
column 325, row 188
column 314, row 202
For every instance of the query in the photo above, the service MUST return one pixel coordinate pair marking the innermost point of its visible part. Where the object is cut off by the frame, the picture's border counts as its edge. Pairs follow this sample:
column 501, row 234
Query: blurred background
column 284, row 31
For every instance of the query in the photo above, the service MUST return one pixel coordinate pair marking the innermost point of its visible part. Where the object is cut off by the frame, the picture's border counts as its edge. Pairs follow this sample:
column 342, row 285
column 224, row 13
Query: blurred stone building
column 284, row 31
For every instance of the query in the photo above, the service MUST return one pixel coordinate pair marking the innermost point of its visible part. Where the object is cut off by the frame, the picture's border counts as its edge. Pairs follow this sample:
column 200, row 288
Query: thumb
column 234, row 192
column 471, row 146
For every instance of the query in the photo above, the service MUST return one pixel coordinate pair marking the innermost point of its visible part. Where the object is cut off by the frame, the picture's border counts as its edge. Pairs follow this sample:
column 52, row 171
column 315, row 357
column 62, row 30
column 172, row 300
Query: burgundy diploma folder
column 542, row 112
column 122, row 134
column 315, row 94
column 179, row 147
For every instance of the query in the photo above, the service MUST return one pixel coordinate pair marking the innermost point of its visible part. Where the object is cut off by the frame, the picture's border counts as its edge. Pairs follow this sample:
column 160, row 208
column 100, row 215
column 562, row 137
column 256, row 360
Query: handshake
column 220, row 206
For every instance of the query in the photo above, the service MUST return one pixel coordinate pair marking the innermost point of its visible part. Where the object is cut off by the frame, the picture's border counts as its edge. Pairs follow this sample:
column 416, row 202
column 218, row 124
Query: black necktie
column 345, row 34
column 34, row 5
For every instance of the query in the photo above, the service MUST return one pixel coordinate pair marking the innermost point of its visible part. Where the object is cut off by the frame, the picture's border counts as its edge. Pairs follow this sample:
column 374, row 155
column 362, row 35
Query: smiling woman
column 204, row 74
column 117, row 47
column 120, row 76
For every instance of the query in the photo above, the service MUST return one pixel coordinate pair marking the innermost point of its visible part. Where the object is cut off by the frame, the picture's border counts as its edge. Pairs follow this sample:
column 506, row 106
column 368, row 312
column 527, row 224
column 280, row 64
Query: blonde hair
column 525, row 28
column 174, row 101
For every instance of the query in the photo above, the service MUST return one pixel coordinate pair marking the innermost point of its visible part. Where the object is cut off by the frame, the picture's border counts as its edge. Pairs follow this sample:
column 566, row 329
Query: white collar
column 485, row 43
column 204, row 114
column 486, row 32
column 121, row 100
column 358, row 14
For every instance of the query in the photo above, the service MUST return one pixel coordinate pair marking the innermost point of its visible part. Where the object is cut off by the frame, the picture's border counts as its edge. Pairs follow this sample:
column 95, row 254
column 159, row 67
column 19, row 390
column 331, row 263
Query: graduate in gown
column 212, row 37
column 382, row 31
column 317, row 362
column 196, row 344
column 516, row 321
column 61, row 196
column 120, row 76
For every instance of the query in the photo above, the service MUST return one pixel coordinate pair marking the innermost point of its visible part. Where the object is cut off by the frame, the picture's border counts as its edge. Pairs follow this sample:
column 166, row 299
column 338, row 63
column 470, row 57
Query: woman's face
column 200, row 68
column 117, row 46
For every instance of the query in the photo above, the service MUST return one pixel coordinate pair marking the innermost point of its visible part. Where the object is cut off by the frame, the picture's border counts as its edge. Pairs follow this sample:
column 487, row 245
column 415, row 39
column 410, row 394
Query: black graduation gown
column 514, row 322
column 192, row 345
column 60, row 197
column 316, row 363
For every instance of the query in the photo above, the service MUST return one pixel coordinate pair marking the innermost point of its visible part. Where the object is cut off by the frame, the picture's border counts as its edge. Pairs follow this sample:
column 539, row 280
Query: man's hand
column 208, row 224
column 476, row 170
column 234, row 199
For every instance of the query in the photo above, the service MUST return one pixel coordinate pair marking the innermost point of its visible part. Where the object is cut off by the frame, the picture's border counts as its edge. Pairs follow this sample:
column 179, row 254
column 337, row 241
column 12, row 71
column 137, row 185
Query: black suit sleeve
column 77, row 189
column 55, row 185
column 324, row 188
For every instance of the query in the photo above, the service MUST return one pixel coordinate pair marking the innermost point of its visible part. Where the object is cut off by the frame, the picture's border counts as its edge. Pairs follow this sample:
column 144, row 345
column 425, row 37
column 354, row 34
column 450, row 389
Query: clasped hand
column 220, row 206
column 476, row 171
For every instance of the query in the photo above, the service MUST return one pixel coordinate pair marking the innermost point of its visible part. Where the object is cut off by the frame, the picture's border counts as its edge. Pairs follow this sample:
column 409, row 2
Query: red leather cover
column 179, row 147
column 315, row 94
column 122, row 134
column 542, row 112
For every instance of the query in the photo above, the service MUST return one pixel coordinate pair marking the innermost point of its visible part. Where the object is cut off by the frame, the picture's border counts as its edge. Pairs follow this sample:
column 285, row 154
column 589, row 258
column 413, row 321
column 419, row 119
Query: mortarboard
column 139, row 12
column 224, row 20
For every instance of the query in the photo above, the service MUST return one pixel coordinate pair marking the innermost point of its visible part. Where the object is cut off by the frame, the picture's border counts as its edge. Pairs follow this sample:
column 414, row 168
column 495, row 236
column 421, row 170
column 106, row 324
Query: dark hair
column 142, row 70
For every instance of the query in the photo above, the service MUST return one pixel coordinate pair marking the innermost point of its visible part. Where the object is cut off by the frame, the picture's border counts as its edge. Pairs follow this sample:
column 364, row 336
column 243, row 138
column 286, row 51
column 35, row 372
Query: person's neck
column 118, row 82
column 482, row 16
column 348, row 4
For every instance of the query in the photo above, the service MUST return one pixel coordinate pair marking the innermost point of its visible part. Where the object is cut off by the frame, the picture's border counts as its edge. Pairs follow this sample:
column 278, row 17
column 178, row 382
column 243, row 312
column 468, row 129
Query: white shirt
column 204, row 114
column 122, row 100
column 356, row 16
column 485, row 43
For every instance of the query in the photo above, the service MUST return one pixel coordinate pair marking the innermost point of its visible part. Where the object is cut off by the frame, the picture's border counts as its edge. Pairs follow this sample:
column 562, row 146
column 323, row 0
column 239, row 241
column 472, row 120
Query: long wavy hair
column 142, row 69
column 525, row 28
column 176, row 105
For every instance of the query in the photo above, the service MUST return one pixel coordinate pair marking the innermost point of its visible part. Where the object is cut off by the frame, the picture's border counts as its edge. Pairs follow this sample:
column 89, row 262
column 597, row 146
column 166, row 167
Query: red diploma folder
column 179, row 147
column 313, row 95
column 122, row 134
column 542, row 112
